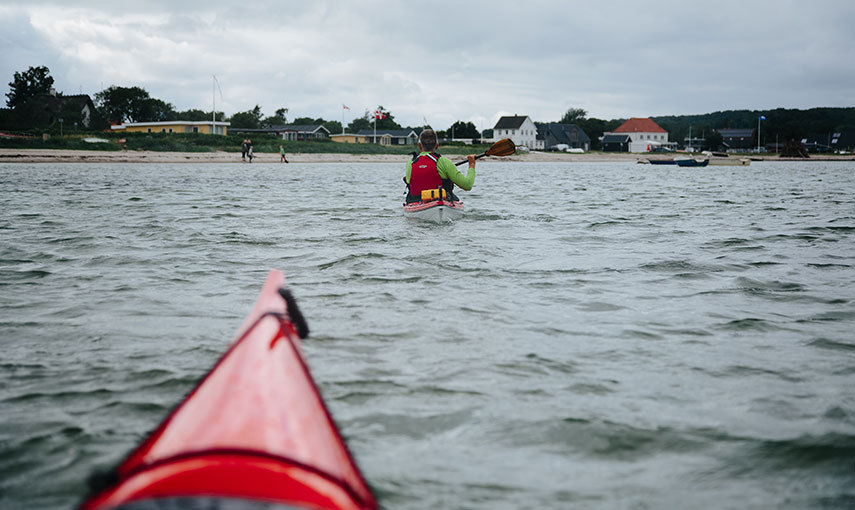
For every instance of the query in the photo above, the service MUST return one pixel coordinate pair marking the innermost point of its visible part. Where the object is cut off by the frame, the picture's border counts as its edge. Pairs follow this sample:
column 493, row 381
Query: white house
column 518, row 128
column 644, row 134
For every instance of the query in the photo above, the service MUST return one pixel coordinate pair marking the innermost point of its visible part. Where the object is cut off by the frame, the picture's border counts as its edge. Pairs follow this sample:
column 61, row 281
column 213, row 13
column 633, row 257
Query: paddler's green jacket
column 447, row 170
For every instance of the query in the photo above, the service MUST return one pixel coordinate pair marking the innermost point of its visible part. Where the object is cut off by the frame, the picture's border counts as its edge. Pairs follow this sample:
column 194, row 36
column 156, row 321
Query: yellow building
column 175, row 126
column 381, row 137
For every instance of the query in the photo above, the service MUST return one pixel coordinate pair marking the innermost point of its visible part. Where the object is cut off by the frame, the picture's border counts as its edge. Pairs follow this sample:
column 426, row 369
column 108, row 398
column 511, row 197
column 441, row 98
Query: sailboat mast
column 213, row 104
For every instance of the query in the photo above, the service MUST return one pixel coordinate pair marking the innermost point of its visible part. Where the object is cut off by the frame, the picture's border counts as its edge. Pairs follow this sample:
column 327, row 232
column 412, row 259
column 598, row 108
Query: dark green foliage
column 595, row 128
column 781, row 124
column 277, row 119
column 25, row 86
column 132, row 104
column 367, row 122
column 333, row 126
column 574, row 116
column 359, row 123
column 459, row 130
column 250, row 119
column 196, row 114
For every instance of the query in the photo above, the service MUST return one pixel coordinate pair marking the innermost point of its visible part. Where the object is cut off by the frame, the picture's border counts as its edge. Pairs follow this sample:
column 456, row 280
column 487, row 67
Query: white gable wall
column 525, row 136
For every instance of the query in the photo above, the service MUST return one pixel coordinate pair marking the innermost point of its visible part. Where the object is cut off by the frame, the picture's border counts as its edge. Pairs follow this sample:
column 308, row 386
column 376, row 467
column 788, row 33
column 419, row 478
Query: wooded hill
column 780, row 125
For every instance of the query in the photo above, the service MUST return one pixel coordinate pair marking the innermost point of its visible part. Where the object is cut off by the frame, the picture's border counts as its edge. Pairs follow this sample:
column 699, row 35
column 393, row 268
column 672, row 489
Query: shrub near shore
column 194, row 142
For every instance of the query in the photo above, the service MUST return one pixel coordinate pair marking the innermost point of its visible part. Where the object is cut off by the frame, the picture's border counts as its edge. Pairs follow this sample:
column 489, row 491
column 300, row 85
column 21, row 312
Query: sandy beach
column 83, row 156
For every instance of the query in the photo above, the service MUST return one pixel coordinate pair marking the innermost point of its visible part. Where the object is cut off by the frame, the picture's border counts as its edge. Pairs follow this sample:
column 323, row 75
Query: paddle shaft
column 479, row 156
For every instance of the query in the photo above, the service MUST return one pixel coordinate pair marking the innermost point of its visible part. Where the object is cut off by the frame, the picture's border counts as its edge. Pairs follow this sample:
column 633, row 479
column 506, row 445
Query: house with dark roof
column 52, row 108
column 616, row 142
column 301, row 132
column 518, row 128
column 644, row 135
column 384, row 136
column 206, row 127
column 837, row 141
column 552, row 135
column 843, row 141
column 738, row 140
column 817, row 142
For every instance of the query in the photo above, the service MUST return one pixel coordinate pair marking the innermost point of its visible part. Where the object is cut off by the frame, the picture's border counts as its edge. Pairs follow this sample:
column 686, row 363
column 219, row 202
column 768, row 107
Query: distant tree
column 574, row 116
column 713, row 141
column 386, row 122
column 132, row 104
column 277, row 119
column 488, row 133
column 196, row 114
column 595, row 128
column 360, row 123
column 250, row 119
column 155, row 110
column 462, row 129
column 24, row 86
column 333, row 126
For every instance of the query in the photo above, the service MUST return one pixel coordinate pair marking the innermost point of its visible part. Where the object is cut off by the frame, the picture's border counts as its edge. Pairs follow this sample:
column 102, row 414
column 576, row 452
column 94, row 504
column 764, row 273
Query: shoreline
column 84, row 156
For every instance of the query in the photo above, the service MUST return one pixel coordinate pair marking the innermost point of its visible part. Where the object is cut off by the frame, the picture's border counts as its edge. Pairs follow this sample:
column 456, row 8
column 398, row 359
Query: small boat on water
column 253, row 434
column 692, row 162
column 662, row 162
column 730, row 161
column 437, row 211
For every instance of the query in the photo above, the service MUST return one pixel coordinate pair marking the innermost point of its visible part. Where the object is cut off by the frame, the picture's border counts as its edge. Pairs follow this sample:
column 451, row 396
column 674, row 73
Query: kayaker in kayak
column 429, row 170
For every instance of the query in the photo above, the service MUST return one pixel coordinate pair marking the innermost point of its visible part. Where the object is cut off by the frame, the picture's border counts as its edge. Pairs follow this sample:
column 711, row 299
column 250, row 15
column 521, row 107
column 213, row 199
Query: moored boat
column 437, row 211
column 692, row 162
column 729, row 161
column 254, row 433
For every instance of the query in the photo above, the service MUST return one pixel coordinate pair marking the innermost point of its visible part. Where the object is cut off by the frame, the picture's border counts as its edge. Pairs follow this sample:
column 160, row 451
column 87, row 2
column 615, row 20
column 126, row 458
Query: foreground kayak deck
column 439, row 211
column 254, row 432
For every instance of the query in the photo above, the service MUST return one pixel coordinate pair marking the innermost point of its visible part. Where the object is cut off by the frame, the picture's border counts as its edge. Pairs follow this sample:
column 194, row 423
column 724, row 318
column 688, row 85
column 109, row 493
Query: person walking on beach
column 243, row 148
column 429, row 170
column 282, row 154
column 249, row 150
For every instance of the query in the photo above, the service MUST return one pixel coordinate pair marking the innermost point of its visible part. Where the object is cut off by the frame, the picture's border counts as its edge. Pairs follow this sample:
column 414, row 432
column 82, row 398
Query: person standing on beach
column 282, row 154
column 249, row 150
column 243, row 148
column 429, row 170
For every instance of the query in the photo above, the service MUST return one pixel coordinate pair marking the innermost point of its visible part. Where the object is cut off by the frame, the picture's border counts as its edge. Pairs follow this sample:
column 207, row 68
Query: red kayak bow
column 255, row 428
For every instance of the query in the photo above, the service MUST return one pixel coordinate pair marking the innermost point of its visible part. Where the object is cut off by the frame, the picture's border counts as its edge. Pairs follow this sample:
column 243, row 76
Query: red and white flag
column 379, row 114
column 344, row 107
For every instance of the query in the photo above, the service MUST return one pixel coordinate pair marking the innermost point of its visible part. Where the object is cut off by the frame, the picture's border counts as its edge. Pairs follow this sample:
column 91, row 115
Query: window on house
column 195, row 129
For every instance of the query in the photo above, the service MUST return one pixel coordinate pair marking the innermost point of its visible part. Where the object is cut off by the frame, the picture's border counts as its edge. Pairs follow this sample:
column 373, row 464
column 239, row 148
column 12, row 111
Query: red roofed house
column 645, row 135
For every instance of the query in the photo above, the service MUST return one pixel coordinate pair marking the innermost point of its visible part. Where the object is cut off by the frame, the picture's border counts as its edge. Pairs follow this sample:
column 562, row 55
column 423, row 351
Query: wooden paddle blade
column 504, row 147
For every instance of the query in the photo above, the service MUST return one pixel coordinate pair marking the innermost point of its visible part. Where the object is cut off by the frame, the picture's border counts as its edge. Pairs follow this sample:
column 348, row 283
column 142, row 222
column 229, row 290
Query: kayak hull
column 436, row 211
column 255, row 428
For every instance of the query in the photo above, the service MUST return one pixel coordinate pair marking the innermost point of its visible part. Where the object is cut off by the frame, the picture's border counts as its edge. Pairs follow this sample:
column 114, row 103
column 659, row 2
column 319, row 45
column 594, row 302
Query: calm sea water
column 590, row 335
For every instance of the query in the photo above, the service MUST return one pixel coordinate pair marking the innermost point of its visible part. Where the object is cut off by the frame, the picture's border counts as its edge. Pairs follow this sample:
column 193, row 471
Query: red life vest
column 423, row 174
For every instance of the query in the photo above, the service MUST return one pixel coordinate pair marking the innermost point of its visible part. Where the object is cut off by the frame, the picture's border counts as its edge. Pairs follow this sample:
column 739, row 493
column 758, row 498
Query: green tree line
column 134, row 104
column 780, row 124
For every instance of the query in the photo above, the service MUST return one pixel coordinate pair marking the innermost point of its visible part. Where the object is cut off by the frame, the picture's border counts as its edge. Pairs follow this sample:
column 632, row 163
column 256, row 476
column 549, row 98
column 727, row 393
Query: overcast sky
column 443, row 61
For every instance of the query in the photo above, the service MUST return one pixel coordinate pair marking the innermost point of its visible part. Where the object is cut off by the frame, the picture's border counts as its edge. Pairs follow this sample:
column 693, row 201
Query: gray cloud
column 465, row 60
